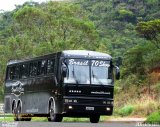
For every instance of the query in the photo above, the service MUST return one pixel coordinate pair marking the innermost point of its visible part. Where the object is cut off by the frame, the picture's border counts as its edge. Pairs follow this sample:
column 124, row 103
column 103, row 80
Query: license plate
column 90, row 108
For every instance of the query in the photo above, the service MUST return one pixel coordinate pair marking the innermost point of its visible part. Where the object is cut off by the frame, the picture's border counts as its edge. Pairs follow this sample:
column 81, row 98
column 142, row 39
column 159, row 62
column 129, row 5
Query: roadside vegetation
column 129, row 30
column 138, row 102
column 154, row 117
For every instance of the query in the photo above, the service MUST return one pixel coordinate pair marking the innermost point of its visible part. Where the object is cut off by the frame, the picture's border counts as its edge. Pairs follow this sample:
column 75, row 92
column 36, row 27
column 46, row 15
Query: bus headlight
column 108, row 109
column 70, row 107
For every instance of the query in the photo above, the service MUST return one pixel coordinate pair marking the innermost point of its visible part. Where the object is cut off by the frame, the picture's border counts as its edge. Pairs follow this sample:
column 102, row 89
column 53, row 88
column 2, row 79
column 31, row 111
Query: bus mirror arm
column 117, row 72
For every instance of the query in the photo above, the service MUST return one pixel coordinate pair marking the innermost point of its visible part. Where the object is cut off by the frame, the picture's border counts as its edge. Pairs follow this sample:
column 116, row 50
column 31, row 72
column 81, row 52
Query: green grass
column 70, row 119
column 42, row 119
column 154, row 117
column 126, row 110
column 8, row 119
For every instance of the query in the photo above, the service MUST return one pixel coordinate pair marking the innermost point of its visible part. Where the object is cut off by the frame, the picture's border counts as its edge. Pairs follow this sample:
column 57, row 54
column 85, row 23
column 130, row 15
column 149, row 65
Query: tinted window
column 42, row 67
column 78, row 71
column 24, row 70
column 10, row 73
column 101, row 72
column 50, row 66
column 17, row 72
column 33, row 69
column 13, row 72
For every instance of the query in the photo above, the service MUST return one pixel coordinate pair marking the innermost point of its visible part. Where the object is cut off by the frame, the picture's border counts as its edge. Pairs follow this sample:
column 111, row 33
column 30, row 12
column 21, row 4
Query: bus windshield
column 82, row 71
column 101, row 72
column 78, row 71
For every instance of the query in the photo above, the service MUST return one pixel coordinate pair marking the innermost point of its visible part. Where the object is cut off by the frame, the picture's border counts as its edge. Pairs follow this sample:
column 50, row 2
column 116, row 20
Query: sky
column 9, row 5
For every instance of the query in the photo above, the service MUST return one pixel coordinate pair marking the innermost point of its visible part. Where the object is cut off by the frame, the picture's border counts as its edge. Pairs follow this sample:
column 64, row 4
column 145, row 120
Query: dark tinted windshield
column 81, row 71
column 101, row 72
column 78, row 71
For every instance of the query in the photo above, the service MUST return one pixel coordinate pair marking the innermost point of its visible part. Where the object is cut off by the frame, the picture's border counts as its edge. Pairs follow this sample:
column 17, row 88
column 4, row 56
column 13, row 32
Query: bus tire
column 94, row 118
column 14, row 111
column 27, row 117
column 53, row 117
column 18, row 113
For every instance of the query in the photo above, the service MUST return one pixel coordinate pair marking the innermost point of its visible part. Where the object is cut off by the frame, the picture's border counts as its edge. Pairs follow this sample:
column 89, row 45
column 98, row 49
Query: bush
column 154, row 117
column 126, row 110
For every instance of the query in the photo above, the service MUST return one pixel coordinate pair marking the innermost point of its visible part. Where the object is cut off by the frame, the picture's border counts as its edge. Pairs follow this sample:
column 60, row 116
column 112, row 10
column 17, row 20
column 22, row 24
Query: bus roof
column 68, row 53
column 86, row 53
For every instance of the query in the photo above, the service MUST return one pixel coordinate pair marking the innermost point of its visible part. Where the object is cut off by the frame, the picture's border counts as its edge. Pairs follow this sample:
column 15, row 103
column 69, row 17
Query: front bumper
column 83, row 105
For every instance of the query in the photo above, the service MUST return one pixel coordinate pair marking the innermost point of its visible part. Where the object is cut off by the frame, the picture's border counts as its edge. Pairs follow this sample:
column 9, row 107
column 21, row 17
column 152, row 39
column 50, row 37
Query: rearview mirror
column 117, row 73
column 64, row 70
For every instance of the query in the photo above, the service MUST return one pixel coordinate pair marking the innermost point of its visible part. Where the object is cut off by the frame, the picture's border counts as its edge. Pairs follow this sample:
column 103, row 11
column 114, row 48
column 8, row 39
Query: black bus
column 70, row 83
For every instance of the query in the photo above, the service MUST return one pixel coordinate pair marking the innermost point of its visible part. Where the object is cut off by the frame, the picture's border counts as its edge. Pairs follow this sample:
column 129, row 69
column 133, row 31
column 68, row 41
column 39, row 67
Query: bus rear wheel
column 14, row 111
column 27, row 117
column 19, row 116
column 52, row 115
column 17, row 112
column 94, row 118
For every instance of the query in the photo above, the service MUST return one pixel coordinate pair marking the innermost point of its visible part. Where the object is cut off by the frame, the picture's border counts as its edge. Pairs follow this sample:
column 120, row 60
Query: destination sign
column 98, row 63
column 79, row 62
column 94, row 63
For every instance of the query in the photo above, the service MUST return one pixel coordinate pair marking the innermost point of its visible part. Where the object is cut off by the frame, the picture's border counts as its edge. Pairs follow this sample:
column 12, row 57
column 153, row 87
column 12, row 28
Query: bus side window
column 17, row 72
column 50, row 66
column 13, row 72
column 24, row 70
column 10, row 73
column 42, row 67
column 33, row 69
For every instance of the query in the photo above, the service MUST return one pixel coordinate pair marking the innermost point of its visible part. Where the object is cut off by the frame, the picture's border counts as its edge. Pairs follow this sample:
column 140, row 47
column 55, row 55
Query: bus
column 70, row 83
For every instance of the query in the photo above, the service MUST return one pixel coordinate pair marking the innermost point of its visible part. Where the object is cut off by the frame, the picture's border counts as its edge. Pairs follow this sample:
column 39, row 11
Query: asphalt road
column 69, row 124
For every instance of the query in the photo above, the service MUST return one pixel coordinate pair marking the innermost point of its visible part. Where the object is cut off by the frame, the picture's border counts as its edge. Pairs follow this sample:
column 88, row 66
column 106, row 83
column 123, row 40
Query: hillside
column 130, row 31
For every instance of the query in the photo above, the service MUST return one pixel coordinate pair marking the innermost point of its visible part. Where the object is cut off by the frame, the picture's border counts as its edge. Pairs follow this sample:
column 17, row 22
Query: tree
column 134, row 61
column 126, row 15
column 150, row 30
column 56, row 26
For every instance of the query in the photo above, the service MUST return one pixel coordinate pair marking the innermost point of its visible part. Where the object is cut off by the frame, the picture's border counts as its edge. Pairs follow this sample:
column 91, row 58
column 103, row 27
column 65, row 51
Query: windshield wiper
column 95, row 76
column 74, row 76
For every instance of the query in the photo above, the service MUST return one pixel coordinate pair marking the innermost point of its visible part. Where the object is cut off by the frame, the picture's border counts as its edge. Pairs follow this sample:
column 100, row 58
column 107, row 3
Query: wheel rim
column 52, row 110
column 18, row 112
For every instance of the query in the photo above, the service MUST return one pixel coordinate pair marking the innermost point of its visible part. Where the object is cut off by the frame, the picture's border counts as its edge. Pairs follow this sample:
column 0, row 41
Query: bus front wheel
column 52, row 115
column 94, row 118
